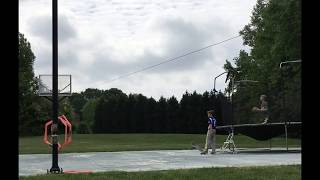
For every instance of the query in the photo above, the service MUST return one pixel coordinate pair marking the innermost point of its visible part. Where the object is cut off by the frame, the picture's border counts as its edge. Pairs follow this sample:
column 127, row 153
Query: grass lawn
column 290, row 172
column 137, row 142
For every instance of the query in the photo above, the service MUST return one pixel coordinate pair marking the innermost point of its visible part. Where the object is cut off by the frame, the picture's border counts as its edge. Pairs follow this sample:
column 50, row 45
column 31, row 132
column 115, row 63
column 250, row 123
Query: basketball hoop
column 45, row 85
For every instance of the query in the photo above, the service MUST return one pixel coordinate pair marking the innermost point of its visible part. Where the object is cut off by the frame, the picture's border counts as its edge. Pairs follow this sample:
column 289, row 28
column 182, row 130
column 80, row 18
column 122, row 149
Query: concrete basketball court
column 33, row 164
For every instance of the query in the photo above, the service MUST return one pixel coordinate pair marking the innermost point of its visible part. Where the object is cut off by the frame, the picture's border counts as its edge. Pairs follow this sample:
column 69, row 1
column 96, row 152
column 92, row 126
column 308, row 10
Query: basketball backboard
column 45, row 85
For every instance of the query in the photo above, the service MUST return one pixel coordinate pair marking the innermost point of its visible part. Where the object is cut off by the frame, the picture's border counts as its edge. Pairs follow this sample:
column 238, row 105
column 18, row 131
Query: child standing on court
column 211, row 134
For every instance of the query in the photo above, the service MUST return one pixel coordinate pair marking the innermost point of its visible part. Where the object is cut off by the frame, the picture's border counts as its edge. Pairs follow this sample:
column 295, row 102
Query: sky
column 102, row 40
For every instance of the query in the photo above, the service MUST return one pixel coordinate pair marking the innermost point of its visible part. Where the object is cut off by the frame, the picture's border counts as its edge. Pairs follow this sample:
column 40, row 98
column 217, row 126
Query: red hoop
column 67, row 135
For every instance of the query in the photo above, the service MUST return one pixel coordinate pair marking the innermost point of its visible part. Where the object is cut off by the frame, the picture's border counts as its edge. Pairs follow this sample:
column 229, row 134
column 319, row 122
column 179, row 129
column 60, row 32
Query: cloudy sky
column 101, row 40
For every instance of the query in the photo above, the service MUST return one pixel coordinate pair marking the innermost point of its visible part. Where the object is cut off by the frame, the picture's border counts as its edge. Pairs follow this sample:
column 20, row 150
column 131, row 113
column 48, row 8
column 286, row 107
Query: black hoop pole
column 214, row 85
column 284, row 96
column 232, row 113
column 55, row 101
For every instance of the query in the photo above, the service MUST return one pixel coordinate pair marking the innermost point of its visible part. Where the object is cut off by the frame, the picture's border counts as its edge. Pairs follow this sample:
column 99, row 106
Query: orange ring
column 67, row 125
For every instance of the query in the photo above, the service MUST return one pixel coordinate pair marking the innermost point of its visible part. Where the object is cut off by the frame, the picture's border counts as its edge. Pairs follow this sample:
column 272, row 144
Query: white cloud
column 100, row 40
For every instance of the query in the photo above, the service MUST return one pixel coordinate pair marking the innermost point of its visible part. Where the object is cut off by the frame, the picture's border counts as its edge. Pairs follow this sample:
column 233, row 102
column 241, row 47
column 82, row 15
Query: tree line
column 112, row 111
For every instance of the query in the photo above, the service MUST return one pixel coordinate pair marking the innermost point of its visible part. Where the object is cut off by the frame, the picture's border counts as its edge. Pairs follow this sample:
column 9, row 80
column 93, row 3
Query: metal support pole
column 285, row 62
column 214, row 85
column 270, row 144
column 282, row 78
column 55, row 101
column 284, row 102
column 232, row 113
column 285, row 127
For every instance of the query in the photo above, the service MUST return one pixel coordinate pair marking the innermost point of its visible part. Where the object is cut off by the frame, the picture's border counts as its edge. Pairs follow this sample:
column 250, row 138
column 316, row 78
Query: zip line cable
column 172, row 59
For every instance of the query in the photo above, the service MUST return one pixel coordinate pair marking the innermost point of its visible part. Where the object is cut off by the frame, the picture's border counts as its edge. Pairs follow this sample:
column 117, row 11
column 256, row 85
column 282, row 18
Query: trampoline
column 259, row 132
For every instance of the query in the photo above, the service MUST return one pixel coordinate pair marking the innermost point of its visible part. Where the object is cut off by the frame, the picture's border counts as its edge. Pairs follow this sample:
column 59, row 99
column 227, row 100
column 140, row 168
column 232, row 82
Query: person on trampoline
column 263, row 109
column 211, row 134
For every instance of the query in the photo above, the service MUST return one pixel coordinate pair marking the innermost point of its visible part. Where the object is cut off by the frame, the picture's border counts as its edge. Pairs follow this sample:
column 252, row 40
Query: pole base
column 56, row 170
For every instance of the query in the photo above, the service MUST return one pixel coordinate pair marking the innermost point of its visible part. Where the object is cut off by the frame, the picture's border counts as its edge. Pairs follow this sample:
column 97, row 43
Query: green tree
column 88, row 114
column 92, row 93
column 172, row 115
column 110, row 111
column 151, row 115
column 29, row 109
column 77, row 101
column 162, row 112
column 99, row 125
column 274, row 35
column 66, row 109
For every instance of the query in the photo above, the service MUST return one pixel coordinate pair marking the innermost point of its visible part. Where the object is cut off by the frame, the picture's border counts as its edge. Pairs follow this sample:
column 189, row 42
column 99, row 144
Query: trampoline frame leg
column 270, row 144
column 229, row 142
column 285, row 128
